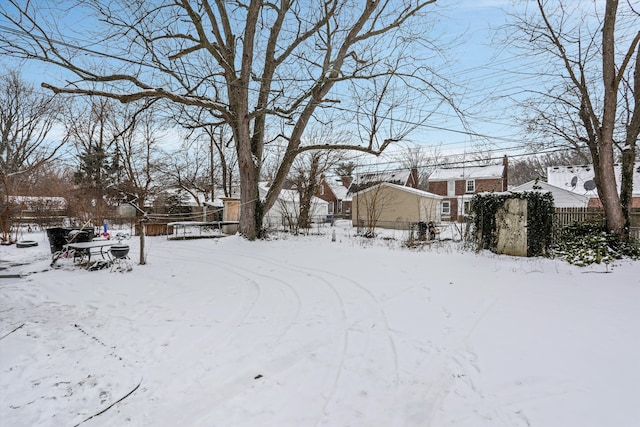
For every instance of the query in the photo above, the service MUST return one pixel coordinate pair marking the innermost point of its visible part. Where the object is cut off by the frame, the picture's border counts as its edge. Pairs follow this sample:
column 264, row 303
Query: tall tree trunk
column 607, row 188
column 629, row 150
column 5, row 211
column 251, row 212
column 306, row 191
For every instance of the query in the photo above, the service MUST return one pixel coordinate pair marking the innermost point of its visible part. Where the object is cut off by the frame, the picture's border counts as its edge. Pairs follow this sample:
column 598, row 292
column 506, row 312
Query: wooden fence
column 567, row 216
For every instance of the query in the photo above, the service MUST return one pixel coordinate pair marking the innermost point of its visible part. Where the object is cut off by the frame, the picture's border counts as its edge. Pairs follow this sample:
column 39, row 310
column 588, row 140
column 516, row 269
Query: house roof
column 403, row 188
column 467, row 172
column 50, row 201
column 579, row 178
column 288, row 196
column 562, row 198
column 370, row 179
column 339, row 190
column 395, row 176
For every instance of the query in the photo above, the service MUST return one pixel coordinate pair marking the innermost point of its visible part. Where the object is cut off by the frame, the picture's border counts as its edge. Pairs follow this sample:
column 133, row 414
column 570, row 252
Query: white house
column 579, row 179
column 562, row 198
column 287, row 208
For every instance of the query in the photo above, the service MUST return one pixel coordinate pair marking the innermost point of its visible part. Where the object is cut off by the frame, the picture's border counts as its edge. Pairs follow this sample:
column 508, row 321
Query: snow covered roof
column 339, row 190
column 293, row 196
column 467, row 172
column 404, row 188
column 561, row 198
column 217, row 203
column 396, row 176
column 579, row 178
column 288, row 196
column 54, row 202
column 370, row 179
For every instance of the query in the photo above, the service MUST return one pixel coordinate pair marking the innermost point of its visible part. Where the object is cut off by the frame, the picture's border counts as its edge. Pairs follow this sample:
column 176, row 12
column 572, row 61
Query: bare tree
column 26, row 120
column 595, row 99
column 263, row 68
column 535, row 166
column 214, row 139
column 345, row 168
column 223, row 160
column 309, row 168
column 186, row 169
column 422, row 158
column 368, row 207
column 307, row 172
column 138, row 136
column 90, row 128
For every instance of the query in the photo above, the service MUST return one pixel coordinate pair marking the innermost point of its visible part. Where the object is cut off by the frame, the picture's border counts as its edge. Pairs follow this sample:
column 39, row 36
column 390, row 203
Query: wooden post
column 143, row 221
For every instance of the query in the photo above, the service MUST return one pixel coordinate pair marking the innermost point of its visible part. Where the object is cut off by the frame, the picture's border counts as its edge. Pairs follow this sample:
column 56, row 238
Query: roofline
column 401, row 187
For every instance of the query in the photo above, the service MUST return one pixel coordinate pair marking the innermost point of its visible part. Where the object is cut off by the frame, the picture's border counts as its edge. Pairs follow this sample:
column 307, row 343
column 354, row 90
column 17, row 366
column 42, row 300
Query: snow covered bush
column 584, row 244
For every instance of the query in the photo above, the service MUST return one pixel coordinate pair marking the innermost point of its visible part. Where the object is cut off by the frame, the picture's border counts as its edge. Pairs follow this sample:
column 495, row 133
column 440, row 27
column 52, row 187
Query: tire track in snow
column 242, row 272
column 272, row 262
column 457, row 364
column 248, row 307
column 237, row 383
column 379, row 315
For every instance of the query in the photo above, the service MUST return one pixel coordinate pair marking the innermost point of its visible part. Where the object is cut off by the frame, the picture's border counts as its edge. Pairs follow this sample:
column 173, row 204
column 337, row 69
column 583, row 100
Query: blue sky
column 484, row 71
column 482, row 67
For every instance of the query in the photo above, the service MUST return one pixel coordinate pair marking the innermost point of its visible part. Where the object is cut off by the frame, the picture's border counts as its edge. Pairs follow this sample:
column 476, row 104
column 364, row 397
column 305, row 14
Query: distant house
column 406, row 178
column 458, row 185
column 562, row 198
column 394, row 206
column 32, row 207
column 579, row 179
column 334, row 192
column 286, row 209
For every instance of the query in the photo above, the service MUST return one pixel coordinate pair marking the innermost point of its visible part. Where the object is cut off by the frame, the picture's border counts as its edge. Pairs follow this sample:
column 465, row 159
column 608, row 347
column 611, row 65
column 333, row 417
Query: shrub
column 584, row 244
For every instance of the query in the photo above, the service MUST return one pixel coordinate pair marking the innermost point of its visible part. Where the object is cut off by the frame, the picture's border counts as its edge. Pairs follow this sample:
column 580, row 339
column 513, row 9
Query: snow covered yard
column 303, row 331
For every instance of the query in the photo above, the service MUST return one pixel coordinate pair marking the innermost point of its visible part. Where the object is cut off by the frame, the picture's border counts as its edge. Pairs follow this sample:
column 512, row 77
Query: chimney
column 346, row 181
column 505, row 173
column 414, row 177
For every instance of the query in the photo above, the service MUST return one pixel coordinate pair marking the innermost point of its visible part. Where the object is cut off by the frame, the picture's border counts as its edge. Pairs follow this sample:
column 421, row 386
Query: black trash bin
column 57, row 238
column 77, row 236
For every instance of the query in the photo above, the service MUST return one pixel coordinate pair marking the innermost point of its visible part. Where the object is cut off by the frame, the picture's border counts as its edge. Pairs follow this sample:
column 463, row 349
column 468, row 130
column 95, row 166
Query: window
column 321, row 190
column 451, row 188
column 466, row 207
column 339, row 207
column 330, row 208
column 446, row 208
column 471, row 186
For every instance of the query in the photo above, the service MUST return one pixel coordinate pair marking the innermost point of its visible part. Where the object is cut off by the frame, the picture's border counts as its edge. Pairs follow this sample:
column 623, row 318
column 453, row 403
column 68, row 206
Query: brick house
column 334, row 191
column 339, row 191
column 458, row 185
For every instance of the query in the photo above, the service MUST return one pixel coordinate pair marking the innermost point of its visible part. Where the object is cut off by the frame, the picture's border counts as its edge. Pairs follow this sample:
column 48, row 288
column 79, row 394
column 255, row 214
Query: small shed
column 394, row 206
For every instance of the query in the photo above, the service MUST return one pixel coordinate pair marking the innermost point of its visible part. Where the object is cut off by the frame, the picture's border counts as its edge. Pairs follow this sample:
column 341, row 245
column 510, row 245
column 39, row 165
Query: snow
column 338, row 189
column 562, row 198
column 467, row 172
column 573, row 178
column 404, row 188
column 303, row 331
